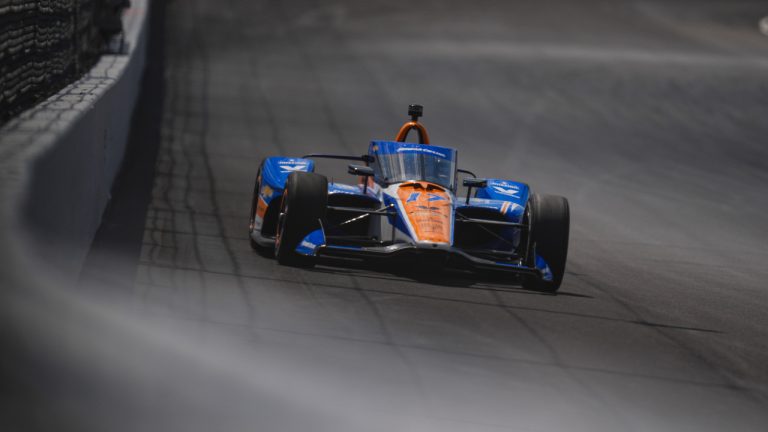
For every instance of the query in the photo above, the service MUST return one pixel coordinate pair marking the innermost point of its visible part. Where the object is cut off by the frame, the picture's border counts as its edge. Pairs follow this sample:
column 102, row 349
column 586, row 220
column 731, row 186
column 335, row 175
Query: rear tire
column 550, row 221
column 303, row 205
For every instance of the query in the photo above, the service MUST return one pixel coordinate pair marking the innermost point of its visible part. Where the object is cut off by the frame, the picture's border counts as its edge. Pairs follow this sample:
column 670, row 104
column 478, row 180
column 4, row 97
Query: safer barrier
column 58, row 161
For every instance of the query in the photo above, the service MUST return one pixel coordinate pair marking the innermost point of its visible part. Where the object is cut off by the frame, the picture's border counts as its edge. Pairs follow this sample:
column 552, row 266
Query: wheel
column 550, row 225
column 304, row 202
column 265, row 251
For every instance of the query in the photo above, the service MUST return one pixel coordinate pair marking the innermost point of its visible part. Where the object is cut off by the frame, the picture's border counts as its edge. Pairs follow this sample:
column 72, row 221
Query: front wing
column 315, row 244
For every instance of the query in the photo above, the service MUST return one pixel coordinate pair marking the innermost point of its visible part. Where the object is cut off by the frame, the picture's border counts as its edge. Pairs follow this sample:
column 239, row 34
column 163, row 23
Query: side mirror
column 363, row 171
column 359, row 170
column 474, row 182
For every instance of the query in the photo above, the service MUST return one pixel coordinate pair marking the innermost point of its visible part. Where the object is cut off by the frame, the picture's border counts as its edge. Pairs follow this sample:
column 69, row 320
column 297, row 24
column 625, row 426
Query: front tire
column 303, row 205
column 550, row 227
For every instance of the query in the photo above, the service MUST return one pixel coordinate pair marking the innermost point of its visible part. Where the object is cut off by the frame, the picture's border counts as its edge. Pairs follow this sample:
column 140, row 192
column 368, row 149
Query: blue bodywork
column 311, row 243
column 277, row 169
column 275, row 172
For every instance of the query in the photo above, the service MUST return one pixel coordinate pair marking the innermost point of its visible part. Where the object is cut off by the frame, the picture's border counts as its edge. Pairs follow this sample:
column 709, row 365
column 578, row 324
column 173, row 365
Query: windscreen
column 415, row 164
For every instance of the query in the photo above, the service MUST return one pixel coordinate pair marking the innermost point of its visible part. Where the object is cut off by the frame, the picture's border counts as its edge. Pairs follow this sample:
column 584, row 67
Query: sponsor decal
column 413, row 197
column 505, row 184
column 293, row 168
column 434, row 197
column 266, row 191
column 513, row 191
column 421, row 150
column 508, row 206
column 309, row 245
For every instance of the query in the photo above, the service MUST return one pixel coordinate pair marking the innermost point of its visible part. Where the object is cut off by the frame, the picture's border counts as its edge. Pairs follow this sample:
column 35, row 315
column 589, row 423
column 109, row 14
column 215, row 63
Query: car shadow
column 434, row 275
column 493, row 283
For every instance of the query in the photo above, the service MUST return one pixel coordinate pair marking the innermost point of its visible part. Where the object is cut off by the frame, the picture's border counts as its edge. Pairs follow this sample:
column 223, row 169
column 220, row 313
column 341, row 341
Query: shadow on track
column 438, row 276
column 470, row 281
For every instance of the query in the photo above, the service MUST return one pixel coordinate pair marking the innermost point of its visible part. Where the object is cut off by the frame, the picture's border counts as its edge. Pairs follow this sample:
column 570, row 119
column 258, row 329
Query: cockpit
column 396, row 162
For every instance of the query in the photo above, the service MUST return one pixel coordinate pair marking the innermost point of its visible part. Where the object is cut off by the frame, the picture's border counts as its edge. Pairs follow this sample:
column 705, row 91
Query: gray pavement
column 648, row 116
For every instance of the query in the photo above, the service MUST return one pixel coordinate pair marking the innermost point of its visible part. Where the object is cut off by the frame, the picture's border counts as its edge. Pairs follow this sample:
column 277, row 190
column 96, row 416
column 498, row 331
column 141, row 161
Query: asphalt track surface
column 649, row 116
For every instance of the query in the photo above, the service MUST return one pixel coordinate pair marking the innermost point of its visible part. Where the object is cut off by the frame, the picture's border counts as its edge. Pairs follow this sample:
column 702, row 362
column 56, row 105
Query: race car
column 402, row 207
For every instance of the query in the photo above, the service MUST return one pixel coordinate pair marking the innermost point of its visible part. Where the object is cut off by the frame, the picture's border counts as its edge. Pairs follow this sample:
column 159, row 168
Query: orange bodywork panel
column 429, row 210
column 261, row 205
column 261, row 208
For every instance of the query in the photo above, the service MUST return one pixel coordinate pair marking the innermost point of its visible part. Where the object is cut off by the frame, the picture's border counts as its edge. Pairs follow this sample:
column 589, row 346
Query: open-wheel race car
column 403, row 208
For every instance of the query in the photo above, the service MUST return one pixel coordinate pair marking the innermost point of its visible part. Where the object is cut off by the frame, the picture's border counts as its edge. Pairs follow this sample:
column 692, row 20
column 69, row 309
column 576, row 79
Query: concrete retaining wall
column 59, row 159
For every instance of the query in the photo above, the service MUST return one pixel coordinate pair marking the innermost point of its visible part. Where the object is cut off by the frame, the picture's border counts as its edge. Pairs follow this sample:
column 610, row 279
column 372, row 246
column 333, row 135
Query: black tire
column 304, row 202
column 550, row 221
column 265, row 251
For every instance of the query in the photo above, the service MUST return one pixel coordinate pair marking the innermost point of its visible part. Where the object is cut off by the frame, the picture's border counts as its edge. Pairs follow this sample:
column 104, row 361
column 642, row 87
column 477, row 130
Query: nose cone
column 429, row 210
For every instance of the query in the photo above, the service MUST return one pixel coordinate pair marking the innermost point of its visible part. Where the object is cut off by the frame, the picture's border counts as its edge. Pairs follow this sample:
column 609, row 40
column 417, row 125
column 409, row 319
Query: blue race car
column 403, row 208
